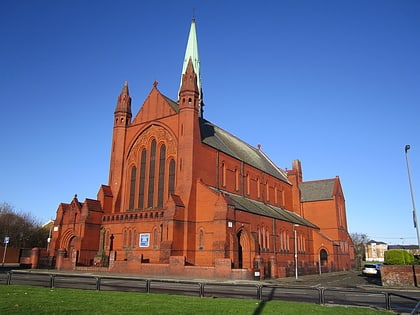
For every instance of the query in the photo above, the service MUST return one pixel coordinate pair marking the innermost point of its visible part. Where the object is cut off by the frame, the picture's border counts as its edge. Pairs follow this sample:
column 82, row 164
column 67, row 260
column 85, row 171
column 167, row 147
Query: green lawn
column 16, row 299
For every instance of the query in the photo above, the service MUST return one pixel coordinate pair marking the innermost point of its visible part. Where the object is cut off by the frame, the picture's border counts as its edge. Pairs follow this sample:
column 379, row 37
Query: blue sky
column 334, row 84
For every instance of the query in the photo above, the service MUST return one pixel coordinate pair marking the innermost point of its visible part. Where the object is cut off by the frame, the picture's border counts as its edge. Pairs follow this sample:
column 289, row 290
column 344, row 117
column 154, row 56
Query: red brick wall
column 395, row 276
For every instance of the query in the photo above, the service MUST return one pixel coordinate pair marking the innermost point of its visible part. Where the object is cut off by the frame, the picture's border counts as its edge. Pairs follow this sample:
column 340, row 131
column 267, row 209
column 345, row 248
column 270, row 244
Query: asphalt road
column 341, row 279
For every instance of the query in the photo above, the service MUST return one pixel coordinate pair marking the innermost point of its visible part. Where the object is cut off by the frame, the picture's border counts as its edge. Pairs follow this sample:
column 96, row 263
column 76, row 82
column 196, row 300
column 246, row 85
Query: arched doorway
column 240, row 254
column 72, row 253
column 244, row 250
column 323, row 257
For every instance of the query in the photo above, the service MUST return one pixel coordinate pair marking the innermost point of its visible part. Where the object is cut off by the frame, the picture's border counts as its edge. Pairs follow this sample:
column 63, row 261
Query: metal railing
column 255, row 290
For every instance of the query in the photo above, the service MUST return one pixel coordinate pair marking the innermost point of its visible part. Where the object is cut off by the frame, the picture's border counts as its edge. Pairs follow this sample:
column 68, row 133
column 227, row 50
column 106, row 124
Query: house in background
column 375, row 251
column 186, row 197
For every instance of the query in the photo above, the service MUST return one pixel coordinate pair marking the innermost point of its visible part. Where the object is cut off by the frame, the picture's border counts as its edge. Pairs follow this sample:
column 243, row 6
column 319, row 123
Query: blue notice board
column 144, row 239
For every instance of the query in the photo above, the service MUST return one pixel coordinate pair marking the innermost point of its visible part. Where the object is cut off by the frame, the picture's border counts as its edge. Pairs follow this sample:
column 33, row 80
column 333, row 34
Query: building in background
column 375, row 251
column 186, row 197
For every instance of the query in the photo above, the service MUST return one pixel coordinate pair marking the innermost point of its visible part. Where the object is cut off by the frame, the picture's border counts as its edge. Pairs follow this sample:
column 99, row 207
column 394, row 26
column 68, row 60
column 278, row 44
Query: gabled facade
column 323, row 202
column 186, row 197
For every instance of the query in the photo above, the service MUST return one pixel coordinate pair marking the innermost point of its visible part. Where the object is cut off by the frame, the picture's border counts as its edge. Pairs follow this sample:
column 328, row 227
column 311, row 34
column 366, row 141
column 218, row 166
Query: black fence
column 255, row 290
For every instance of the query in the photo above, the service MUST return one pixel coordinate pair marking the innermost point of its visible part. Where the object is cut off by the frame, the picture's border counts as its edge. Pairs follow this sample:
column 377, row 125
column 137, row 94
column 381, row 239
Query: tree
column 21, row 228
column 359, row 241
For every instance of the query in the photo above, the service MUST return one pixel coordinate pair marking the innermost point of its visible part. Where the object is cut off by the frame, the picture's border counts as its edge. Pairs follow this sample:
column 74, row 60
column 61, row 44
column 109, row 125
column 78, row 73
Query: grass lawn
column 16, row 299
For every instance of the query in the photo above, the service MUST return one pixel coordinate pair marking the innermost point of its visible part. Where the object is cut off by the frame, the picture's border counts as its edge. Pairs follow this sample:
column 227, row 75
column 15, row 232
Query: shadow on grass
column 261, row 304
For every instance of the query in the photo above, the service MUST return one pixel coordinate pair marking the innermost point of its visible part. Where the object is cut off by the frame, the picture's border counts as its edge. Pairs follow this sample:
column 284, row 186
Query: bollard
column 98, row 283
column 52, row 281
column 201, row 293
column 9, row 277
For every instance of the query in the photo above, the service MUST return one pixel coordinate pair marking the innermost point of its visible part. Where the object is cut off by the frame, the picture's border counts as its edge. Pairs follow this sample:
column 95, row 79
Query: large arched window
column 151, row 174
column 161, row 179
column 142, row 179
column 171, row 183
column 132, row 187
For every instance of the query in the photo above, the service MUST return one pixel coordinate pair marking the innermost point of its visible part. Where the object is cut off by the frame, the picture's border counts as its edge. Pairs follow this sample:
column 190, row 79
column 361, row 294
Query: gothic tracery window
column 151, row 188
column 142, row 179
column 161, row 178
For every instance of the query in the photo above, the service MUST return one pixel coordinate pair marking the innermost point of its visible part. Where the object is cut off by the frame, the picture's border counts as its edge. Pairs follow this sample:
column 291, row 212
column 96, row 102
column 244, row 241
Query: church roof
column 260, row 208
column 174, row 105
column 223, row 141
column 317, row 190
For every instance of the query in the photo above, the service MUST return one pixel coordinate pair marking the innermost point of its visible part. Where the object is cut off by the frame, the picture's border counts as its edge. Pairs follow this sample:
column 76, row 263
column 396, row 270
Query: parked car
column 371, row 269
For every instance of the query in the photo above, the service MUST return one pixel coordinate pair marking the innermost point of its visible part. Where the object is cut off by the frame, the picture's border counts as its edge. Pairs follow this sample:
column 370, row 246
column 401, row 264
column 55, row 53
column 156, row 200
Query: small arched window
column 125, row 238
column 201, row 240
column 223, row 175
column 155, row 238
column 258, row 188
column 236, row 179
column 130, row 238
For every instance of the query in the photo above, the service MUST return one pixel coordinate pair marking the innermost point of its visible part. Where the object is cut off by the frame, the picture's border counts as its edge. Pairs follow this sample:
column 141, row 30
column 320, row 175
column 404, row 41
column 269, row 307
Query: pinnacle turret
column 123, row 109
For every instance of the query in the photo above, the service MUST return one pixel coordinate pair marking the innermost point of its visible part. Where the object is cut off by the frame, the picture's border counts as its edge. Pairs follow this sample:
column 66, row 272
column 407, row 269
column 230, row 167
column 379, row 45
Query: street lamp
column 296, row 252
column 407, row 147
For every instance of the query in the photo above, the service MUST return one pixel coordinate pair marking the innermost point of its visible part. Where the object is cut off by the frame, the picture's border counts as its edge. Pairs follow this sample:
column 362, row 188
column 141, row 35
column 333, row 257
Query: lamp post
column 296, row 252
column 407, row 147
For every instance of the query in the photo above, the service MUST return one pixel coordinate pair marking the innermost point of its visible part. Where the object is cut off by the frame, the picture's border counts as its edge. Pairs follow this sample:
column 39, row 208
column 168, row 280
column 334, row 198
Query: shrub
column 398, row 257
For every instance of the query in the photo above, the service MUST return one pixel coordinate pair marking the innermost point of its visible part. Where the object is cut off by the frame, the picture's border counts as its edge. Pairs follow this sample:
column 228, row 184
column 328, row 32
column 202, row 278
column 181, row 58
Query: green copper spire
column 192, row 52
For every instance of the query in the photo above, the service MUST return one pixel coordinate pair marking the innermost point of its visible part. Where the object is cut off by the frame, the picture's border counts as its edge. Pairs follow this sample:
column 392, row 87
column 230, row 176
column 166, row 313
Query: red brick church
column 186, row 197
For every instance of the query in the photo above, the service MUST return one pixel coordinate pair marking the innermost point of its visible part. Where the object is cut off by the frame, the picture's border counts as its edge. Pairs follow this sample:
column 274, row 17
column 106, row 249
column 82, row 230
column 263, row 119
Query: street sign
column 6, row 240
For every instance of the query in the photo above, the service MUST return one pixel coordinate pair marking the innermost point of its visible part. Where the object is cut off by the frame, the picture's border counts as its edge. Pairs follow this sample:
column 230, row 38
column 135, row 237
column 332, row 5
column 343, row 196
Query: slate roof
column 93, row 205
column 174, row 105
column 223, row 141
column 317, row 190
column 375, row 242
column 411, row 247
column 259, row 208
